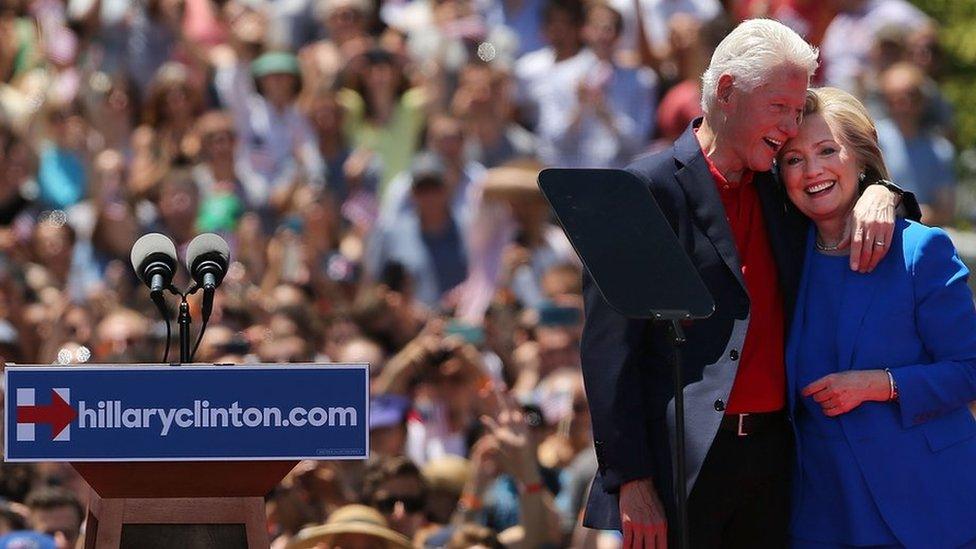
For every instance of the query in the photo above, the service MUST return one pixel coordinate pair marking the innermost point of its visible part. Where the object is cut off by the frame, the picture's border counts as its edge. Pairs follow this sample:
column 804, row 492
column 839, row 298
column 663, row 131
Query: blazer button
column 734, row 354
column 719, row 405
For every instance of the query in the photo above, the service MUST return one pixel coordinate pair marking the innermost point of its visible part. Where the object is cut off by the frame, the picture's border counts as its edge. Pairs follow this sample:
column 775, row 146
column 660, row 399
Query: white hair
column 750, row 52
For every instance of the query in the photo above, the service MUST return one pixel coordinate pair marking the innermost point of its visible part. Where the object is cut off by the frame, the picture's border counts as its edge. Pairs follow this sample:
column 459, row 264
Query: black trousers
column 741, row 497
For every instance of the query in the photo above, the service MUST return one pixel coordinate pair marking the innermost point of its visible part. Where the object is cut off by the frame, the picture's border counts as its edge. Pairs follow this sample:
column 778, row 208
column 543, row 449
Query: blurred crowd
column 373, row 165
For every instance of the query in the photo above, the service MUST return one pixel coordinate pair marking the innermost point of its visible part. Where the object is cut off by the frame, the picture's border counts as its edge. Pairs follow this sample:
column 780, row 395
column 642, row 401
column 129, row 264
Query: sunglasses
column 410, row 504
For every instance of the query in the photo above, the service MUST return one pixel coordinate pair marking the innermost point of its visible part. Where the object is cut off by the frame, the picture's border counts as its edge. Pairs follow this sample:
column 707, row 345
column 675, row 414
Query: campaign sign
column 186, row 413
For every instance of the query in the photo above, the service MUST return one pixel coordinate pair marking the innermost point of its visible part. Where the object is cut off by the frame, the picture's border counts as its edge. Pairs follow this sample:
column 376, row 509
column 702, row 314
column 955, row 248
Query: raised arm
column 873, row 223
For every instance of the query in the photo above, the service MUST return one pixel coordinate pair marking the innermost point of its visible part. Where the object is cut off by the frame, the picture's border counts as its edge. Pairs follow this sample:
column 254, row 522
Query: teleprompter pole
column 680, row 486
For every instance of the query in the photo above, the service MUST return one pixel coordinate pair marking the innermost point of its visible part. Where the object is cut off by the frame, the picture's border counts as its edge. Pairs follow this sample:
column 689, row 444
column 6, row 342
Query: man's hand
column 873, row 221
column 842, row 392
column 511, row 432
column 642, row 516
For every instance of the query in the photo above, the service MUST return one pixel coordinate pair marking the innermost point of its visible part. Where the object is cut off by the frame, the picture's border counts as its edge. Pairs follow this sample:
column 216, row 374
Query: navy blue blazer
column 917, row 456
column 625, row 361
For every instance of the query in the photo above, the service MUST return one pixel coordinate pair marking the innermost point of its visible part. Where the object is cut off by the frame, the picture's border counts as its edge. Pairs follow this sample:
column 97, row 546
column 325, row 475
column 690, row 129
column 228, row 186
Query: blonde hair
column 846, row 115
column 750, row 52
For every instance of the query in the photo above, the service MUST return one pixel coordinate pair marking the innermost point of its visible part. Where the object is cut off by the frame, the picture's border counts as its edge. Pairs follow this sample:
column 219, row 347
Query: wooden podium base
column 162, row 523
column 191, row 505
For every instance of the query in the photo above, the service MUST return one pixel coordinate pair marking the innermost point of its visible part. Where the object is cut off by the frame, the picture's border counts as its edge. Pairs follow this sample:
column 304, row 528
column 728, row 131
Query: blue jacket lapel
column 796, row 327
column 858, row 294
column 706, row 205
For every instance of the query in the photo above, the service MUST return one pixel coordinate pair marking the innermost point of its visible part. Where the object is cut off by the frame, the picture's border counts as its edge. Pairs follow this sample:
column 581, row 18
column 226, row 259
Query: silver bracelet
column 892, row 388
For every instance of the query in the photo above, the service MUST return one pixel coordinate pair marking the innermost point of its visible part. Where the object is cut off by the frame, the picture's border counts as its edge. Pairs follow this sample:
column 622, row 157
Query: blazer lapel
column 796, row 326
column 706, row 205
column 857, row 295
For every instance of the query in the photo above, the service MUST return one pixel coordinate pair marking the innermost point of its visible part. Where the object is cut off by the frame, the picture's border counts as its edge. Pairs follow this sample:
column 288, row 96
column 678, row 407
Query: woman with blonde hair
column 885, row 441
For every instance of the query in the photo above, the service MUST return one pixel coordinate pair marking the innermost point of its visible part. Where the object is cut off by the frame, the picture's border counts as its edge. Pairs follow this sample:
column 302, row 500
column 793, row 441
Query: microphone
column 207, row 257
column 154, row 260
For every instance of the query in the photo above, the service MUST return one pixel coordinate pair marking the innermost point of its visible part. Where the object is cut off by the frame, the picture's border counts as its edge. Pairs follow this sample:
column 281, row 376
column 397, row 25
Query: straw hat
column 448, row 473
column 350, row 519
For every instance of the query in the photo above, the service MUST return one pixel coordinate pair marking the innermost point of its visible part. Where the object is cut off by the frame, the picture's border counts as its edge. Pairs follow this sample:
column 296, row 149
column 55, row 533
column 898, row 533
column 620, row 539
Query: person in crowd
column 64, row 159
column 218, row 175
column 523, row 17
column 849, row 38
column 384, row 113
column 276, row 144
column 351, row 526
column 445, row 477
column 178, row 207
column 429, row 241
column 512, row 242
column 396, row 487
column 165, row 136
column 57, row 513
column 891, row 405
column 561, row 24
column 18, row 166
column 113, row 104
column 917, row 157
column 462, row 177
column 388, row 424
column 715, row 182
column 650, row 30
column 347, row 24
column 327, row 118
column 485, row 102
column 600, row 115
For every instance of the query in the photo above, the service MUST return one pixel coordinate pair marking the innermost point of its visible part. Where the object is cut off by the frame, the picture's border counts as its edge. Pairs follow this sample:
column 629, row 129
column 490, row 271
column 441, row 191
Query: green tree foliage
column 957, row 38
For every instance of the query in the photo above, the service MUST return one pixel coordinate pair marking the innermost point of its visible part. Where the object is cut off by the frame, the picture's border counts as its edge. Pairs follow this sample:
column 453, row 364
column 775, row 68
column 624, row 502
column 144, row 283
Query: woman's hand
column 873, row 223
column 842, row 392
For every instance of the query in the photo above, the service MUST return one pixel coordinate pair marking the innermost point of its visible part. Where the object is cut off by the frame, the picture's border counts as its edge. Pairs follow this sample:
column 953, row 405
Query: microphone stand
column 184, row 321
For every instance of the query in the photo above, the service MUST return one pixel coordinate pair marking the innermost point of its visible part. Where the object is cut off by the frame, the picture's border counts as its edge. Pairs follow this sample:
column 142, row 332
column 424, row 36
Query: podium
column 182, row 456
column 179, row 504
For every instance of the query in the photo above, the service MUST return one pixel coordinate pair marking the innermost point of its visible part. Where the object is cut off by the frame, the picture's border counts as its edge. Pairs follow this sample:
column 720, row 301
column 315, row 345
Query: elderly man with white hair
column 717, row 187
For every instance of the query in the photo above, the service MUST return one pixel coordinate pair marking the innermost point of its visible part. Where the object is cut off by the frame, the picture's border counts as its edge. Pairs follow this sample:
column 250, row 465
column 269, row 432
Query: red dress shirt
column 760, row 382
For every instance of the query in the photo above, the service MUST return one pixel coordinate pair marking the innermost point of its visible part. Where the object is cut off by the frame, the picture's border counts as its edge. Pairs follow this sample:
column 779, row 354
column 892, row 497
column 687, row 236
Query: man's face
column 402, row 502
column 560, row 30
column 446, row 138
column 61, row 523
column 761, row 120
column 279, row 88
column 903, row 96
column 600, row 31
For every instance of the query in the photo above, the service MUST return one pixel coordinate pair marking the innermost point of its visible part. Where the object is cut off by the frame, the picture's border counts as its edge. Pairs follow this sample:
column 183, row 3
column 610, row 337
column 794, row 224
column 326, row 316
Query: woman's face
column 178, row 102
column 820, row 172
column 381, row 77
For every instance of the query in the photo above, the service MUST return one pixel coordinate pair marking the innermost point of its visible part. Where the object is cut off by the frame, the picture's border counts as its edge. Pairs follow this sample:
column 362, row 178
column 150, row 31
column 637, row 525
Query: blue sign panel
column 180, row 413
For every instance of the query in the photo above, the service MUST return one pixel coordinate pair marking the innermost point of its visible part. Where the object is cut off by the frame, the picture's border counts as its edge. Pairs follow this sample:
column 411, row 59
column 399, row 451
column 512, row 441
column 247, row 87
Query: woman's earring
column 862, row 177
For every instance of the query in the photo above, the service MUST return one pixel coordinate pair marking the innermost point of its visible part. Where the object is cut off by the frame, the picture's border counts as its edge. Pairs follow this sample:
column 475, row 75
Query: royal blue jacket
column 915, row 315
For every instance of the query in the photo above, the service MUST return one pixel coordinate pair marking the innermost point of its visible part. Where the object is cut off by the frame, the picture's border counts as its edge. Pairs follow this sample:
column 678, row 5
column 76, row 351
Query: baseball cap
column 387, row 411
column 275, row 62
column 25, row 539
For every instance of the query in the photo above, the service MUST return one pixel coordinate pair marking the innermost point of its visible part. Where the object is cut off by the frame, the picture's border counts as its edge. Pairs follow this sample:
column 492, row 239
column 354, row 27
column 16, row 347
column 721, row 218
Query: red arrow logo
column 59, row 414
